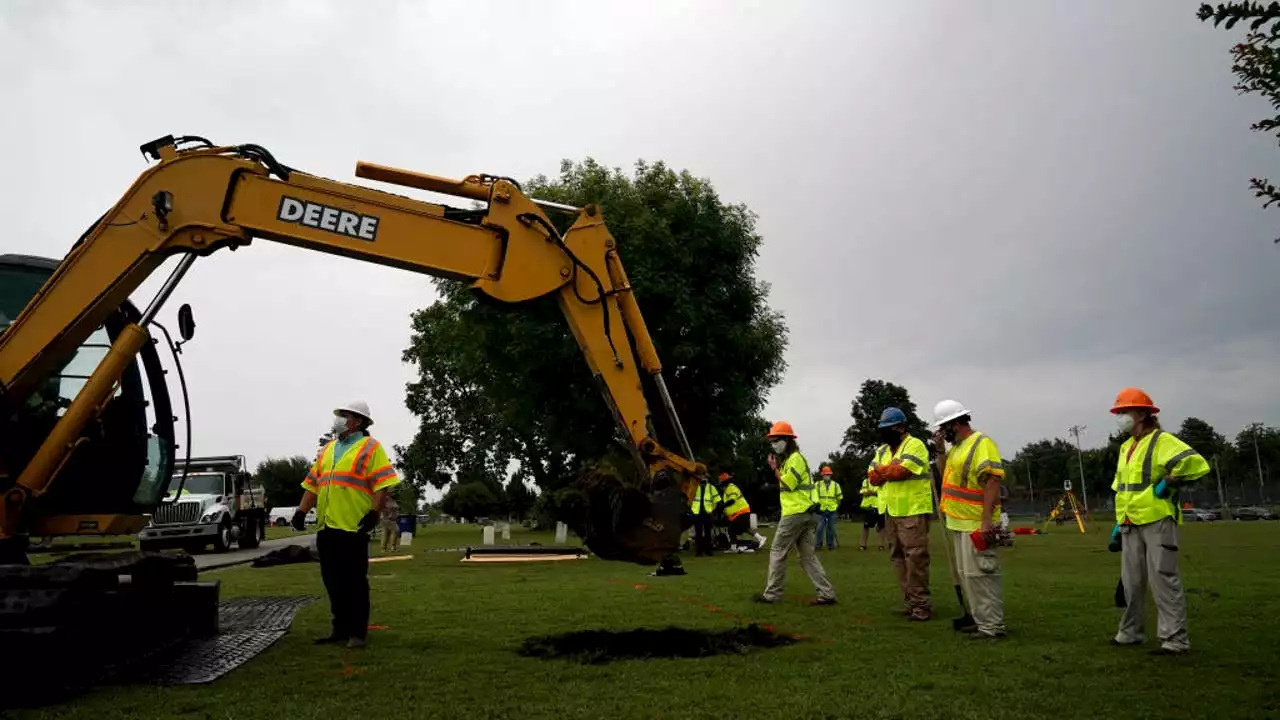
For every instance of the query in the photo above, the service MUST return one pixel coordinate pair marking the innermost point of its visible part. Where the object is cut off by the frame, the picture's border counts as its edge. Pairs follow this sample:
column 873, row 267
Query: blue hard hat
column 892, row 416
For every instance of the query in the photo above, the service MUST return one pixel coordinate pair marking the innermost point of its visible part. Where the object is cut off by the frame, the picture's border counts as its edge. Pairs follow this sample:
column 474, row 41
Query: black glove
column 299, row 521
column 368, row 522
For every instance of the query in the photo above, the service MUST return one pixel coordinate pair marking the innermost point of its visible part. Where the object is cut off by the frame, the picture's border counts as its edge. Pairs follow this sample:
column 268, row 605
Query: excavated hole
column 593, row 647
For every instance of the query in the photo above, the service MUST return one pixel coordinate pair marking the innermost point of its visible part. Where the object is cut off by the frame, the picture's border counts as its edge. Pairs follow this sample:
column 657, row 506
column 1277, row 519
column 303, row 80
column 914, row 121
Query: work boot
column 355, row 643
column 763, row 600
column 919, row 616
column 334, row 638
column 979, row 635
column 823, row 601
column 964, row 624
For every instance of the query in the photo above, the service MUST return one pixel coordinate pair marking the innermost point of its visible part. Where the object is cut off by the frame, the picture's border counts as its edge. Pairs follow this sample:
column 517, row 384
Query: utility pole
column 1222, row 499
column 1262, row 489
column 1031, row 488
column 1084, row 486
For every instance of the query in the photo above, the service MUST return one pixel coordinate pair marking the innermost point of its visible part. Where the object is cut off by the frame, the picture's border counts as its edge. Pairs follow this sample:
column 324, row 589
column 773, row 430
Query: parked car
column 1253, row 512
column 282, row 516
column 1198, row 515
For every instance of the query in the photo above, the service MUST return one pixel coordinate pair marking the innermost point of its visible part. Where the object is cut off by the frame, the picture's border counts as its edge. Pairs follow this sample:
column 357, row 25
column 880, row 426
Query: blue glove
column 1163, row 490
column 1114, row 545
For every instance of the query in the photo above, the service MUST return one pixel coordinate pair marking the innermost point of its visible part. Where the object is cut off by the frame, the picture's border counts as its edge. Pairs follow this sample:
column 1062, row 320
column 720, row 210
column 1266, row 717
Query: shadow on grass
column 595, row 647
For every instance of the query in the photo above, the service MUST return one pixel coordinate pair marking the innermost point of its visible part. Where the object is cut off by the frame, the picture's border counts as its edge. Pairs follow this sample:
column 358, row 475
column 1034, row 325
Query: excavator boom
column 195, row 201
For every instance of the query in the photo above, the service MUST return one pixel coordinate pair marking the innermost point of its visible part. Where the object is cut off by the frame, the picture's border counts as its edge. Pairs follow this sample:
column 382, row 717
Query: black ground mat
column 246, row 627
column 595, row 647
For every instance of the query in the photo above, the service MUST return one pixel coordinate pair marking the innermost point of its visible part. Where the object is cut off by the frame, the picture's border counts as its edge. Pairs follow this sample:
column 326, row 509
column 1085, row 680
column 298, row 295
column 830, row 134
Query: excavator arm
column 195, row 201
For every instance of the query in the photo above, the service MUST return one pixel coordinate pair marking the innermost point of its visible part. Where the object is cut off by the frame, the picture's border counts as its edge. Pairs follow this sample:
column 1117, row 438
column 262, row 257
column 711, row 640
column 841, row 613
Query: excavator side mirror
column 186, row 322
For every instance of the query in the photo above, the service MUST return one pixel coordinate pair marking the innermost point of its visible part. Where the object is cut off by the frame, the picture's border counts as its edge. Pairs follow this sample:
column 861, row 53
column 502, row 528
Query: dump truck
column 213, row 501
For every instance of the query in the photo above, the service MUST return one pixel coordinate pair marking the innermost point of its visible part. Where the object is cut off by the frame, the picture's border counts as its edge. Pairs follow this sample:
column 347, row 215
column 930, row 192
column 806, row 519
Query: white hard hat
column 359, row 407
column 946, row 411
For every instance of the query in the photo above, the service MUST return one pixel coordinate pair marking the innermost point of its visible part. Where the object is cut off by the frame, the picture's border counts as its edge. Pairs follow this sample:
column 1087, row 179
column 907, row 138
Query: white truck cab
column 218, row 502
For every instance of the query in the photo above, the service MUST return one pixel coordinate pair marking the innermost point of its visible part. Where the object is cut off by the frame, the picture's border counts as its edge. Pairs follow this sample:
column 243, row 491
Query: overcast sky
column 1022, row 206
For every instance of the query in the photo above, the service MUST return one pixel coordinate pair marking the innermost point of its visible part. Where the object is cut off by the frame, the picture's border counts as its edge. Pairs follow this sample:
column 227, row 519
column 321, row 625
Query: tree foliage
column 504, row 387
column 282, row 479
column 470, row 500
column 863, row 437
column 1256, row 64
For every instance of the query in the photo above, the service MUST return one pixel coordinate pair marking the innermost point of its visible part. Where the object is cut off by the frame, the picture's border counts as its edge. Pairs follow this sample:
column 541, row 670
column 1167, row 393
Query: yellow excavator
column 87, row 441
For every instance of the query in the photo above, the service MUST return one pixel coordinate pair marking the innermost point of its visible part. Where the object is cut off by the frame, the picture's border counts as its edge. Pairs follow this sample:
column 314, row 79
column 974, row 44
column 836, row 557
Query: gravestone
column 488, row 534
column 562, row 533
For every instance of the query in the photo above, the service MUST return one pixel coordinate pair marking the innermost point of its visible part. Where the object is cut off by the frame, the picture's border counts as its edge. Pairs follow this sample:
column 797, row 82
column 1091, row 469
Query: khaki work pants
column 390, row 536
column 1149, row 554
column 799, row 533
column 982, row 582
column 909, row 551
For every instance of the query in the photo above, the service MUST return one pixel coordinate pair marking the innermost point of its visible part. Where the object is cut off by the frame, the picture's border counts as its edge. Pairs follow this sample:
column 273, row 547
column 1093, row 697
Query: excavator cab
column 124, row 459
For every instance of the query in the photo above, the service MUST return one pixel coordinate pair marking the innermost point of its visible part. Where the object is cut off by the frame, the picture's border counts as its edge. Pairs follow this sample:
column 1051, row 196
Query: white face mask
column 778, row 446
column 339, row 425
column 1125, row 422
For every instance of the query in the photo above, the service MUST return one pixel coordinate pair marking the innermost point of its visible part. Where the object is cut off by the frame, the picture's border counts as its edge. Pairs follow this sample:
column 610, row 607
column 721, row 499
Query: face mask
column 1125, row 422
column 339, row 425
column 778, row 446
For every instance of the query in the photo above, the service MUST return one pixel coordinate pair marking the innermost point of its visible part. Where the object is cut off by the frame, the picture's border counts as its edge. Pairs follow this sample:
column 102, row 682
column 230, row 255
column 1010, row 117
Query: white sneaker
column 761, row 539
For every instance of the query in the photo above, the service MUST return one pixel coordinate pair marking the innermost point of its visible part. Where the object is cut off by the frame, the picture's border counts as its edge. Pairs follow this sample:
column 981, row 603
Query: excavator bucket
column 621, row 522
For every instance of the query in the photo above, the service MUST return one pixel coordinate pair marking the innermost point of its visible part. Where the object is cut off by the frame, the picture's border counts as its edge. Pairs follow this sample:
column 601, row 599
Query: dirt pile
column 593, row 647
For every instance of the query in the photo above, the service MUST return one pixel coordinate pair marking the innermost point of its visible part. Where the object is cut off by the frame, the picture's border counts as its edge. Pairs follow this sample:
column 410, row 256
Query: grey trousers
column 1149, row 554
column 798, row 532
column 982, row 582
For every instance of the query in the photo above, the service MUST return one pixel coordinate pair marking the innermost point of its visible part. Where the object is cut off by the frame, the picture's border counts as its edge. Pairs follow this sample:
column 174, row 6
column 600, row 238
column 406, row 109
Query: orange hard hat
column 724, row 476
column 781, row 429
column 1131, row 398
column 826, row 470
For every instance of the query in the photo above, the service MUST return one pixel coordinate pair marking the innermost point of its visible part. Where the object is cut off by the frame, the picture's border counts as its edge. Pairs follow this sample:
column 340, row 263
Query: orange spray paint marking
column 379, row 627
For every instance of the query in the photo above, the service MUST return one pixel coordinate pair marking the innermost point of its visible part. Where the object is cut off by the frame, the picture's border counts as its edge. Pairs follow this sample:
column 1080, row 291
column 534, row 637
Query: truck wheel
column 222, row 541
column 250, row 534
column 281, row 522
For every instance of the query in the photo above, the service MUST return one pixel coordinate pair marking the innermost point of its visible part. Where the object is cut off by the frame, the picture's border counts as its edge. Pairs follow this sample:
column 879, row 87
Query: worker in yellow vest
column 1152, row 467
column 900, row 469
column 872, row 509
column 971, row 475
column 347, row 485
column 703, row 506
column 830, row 495
column 797, row 529
column 737, row 513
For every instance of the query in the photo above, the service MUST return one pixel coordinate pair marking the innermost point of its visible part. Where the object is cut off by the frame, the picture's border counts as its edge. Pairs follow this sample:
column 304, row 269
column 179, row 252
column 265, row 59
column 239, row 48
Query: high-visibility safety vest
column 962, row 485
column 705, row 498
column 735, row 505
column 871, row 496
column 1144, row 463
column 913, row 496
column 344, row 486
column 796, row 485
column 829, row 495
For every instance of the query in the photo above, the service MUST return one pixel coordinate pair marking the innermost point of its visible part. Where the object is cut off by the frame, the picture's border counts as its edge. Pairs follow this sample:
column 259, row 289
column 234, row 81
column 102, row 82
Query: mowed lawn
column 452, row 631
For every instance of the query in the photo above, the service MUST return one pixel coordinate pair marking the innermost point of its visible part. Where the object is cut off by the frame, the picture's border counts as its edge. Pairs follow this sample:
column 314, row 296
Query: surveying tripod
column 1068, row 497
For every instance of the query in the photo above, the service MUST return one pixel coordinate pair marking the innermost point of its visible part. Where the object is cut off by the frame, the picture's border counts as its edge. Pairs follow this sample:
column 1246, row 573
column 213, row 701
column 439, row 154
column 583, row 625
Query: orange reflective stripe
column 362, row 488
column 949, row 489
column 381, row 474
column 966, row 501
column 740, row 513
column 362, row 456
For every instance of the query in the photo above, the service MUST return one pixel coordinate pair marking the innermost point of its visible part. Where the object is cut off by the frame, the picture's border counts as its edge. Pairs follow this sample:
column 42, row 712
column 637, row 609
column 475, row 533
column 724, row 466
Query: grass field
column 452, row 630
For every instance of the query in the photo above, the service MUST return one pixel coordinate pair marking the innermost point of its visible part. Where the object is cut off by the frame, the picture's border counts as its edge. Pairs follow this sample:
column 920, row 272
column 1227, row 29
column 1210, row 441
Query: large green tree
column 282, row 479
column 1256, row 64
column 502, row 387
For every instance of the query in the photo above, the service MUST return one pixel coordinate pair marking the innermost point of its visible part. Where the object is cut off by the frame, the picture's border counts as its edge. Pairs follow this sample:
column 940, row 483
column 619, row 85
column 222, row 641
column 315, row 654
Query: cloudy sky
column 1023, row 206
